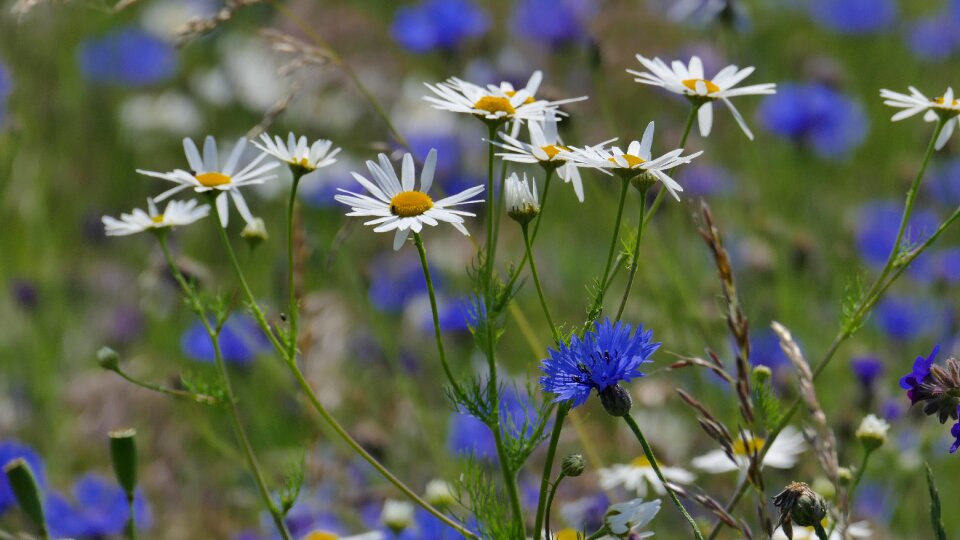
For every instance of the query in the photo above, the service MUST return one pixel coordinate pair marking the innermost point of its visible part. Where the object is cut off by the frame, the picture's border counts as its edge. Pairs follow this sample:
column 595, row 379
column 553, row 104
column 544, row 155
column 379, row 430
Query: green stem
column 199, row 398
column 491, row 213
column 291, row 278
column 533, row 237
column 509, row 477
column 131, row 522
column 691, row 116
column 418, row 240
column 648, row 452
column 553, row 493
column 238, row 430
column 636, row 253
column 547, row 469
column 625, row 183
column 536, row 281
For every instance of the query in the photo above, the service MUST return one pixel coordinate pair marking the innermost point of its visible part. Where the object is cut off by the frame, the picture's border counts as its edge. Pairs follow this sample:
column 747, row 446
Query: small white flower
column 209, row 173
column 622, row 518
column 299, row 152
column 638, row 474
column 946, row 107
column 859, row 529
column 689, row 80
column 546, row 149
column 397, row 515
column 522, row 202
column 782, row 454
column 533, row 85
column 635, row 161
column 873, row 431
column 396, row 204
column 439, row 493
column 177, row 213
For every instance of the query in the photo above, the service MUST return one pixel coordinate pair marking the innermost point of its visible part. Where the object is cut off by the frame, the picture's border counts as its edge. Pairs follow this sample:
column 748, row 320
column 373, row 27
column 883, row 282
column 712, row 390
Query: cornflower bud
column 573, row 465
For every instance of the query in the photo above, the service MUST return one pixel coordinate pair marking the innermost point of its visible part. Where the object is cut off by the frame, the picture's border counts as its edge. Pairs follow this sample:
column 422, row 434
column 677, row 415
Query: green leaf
column 938, row 528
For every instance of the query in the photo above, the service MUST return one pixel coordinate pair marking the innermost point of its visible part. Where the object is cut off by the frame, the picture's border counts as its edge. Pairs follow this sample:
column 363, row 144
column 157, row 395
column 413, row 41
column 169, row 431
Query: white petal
column 223, row 208
column 399, row 239
column 705, row 118
column 429, row 168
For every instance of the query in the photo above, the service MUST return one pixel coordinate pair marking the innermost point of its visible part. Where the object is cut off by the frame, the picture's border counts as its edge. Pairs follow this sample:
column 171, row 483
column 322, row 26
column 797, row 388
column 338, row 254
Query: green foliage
column 294, row 475
column 853, row 297
column 938, row 527
column 766, row 403
column 203, row 384
column 489, row 504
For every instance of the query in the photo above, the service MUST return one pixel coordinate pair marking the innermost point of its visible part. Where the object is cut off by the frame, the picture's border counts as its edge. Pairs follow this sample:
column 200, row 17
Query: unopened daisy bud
column 397, row 515
column 643, row 181
column 522, row 203
column 762, row 373
column 255, row 232
column 108, row 359
column 123, row 453
column 573, row 465
column 616, row 400
column 24, row 486
column 799, row 505
column 824, row 486
column 439, row 493
column 872, row 432
column 844, row 476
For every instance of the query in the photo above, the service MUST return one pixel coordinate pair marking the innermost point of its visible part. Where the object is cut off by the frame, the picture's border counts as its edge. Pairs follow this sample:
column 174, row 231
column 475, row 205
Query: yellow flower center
column 941, row 101
column 410, row 203
column 567, row 534
column 640, row 462
column 552, row 150
column 753, row 446
column 303, row 162
column 321, row 535
column 495, row 104
column 212, row 179
column 527, row 101
column 157, row 219
column 692, row 85
column 632, row 160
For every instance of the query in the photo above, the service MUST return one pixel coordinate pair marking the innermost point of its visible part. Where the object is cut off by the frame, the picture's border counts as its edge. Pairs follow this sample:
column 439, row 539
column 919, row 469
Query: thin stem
column 636, row 253
column 238, row 430
column 533, row 237
column 500, row 212
column 294, row 310
column 536, row 281
column 553, row 493
column 625, row 183
column 199, row 398
column 691, row 116
column 648, row 452
column 509, row 477
column 131, row 522
column 821, row 534
column 491, row 213
column 547, row 469
column 418, row 240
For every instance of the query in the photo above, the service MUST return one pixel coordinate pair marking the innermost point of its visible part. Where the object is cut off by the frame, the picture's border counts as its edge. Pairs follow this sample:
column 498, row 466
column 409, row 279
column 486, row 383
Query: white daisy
column 623, row 518
column 209, row 173
column 689, row 80
column 493, row 103
column 397, row 515
column 946, row 107
column 176, row 214
column 546, row 149
column 397, row 204
column 298, row 153
column 860, row 529
column 636, row 475
column 533, row 85
column 782, row 454
column 522, row 202
column 636, row 161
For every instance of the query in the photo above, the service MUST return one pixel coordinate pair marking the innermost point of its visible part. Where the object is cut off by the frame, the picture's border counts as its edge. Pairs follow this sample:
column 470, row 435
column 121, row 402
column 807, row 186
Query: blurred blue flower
column 25, row 293
column 955, row 10
column 866, row 369
column 875, row 501
column 877, row 226
column 469, row 435
column 703, row 180
column 454, row 315
column 438, row 24
column 906, row 317
column 891, row 409
column 449, row 151
column 608, row 354
column 955, row 433
column 9, row 451
column 127, row 57
column 99, row 509
column 943, row 183
column 241, row 340
column 6, row 88
column 946, row 265
column 730, row 12
column 765, row 350
column 553, row 22
column 586, row 513
column 933, row 38
column 319, row 192
column 854, row 16
column 395, row 281
column 814, row 114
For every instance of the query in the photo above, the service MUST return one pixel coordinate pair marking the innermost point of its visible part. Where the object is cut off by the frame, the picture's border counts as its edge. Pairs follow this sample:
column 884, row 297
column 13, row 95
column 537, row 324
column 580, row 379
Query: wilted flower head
column 608, row 354
column 936, row 386
column 800, row 505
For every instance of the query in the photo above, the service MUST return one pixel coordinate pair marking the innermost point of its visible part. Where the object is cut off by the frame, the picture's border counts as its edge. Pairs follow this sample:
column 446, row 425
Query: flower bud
column 824, row 486
column 801, row 505
column 872, row 432
column 397, row 515
column 522, row 203
column 616, row 400
column 123, row 453
column 762, row 373
column 255, row 233
column 439, row 493
column 108, row 359
column 573, row 465
column 643, row 181
column 844, row 476
column 24, row 486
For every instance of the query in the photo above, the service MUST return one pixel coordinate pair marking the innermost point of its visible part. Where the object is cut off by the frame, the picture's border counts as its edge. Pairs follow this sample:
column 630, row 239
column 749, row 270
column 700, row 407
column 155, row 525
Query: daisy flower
column 208, row 173
column 624, row 517
column 636, row 475
column 689, row 80
column 546, row 149
column 396, row 204
column 176, row 214
column 945, row 107
column 782, row 454
column 605, row 356
column 533, row 85
column 637, row 162
column 301, row 156
column 522, row 202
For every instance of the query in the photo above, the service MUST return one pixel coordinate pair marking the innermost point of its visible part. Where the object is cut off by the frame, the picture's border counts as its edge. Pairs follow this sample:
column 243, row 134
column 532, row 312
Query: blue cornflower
column 814, row 114
column 395, row 281
column 854, row 16
column 954, row 9
column 946, row 264
column 455, row 315
column 99, row 509
column 765, row 350
column 6, row 88
column 877, row 226
column 943, row 183
column 469, row 435
column 607, row 355
column 449, row 151
column 921, row 370
column 906, row 317
column 703, row 180
column 955, row 433
column 933, row 38
column 438, row 24
column 9, row 451
column 241, row 340
column 553, row 22
column 866, row 369
column 127, row 57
